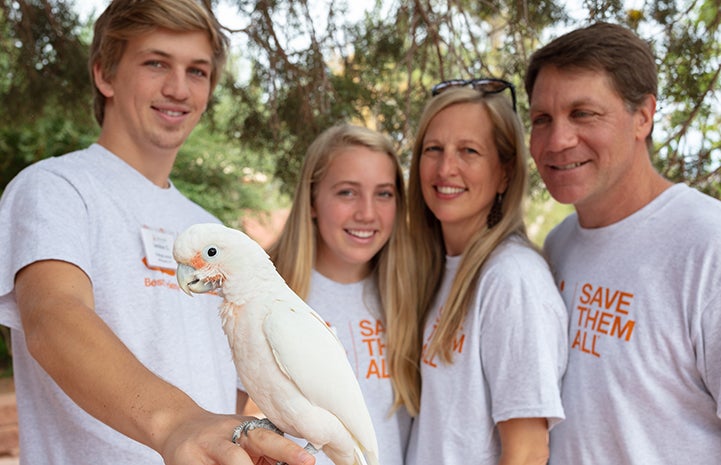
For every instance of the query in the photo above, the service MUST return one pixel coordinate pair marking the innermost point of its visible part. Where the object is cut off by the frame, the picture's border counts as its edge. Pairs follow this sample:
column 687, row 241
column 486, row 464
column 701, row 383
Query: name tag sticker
column 158, row 246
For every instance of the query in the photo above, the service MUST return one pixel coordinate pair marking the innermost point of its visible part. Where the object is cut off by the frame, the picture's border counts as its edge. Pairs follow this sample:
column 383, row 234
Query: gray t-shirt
column 91, row 209
column 353, row 312
column 644, row 297
column 509, row 358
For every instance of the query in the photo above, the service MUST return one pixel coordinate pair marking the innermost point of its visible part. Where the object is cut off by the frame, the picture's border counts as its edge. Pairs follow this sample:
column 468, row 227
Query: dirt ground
column 9, row 450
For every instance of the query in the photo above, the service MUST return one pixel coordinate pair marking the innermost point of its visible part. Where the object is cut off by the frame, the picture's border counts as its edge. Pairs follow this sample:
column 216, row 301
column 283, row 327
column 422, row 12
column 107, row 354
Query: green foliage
column 225, row 179
column 6, row 367
column 311, row 68
column 43, row 64
column 543, row 213
column 24, row 143
column 689, row 146
column 45, row 94
column 378, row 69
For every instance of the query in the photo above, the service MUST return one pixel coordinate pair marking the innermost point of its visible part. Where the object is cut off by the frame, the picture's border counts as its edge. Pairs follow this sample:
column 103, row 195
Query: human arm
column 245, row 405
column 524, row 441
column 526, row 375
column 74, row 345
column 241, row 401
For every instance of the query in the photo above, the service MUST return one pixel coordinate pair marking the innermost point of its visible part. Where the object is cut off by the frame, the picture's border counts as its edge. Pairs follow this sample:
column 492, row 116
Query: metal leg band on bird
column 250, row 425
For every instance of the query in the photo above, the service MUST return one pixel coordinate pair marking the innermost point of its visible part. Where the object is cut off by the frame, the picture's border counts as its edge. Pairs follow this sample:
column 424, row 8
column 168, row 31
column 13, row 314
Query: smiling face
column 460, row 171
column 157, row 95
column 354, row 207
column 589, row 148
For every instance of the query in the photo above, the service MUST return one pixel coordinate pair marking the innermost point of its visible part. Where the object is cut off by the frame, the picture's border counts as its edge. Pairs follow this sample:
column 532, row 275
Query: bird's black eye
column 211, row 251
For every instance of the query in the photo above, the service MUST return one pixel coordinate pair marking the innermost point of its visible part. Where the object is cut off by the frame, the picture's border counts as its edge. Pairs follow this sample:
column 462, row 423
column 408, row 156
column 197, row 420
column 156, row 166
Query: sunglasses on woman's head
column 484, row 86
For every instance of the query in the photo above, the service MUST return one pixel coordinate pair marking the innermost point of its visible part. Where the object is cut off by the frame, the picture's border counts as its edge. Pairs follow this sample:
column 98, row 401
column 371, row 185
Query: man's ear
column 645, row 114
column 104, row 86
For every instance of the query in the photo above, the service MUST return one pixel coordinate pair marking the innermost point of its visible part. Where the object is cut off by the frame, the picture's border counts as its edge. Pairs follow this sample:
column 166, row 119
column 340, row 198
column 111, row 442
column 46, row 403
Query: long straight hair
column 429, row 248
column 295, row 250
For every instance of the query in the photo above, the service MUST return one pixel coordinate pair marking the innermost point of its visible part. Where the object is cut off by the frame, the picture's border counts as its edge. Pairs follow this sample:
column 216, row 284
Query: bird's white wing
column 311, row 355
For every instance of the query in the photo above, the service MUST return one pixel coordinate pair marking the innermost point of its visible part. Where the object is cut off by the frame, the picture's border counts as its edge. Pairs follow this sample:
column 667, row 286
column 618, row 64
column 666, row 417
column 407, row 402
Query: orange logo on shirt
column 601, row 312
column 371, row 332
column 157, row 268
column 458, row 343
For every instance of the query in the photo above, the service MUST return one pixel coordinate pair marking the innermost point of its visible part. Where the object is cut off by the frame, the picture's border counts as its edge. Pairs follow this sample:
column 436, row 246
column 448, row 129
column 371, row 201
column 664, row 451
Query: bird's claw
column 250, row 425
column 310, row 449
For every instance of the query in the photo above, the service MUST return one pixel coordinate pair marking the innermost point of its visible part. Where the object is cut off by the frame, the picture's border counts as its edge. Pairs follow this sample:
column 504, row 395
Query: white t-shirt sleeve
column 43, row 218
column 524, row 343
column 707, row 341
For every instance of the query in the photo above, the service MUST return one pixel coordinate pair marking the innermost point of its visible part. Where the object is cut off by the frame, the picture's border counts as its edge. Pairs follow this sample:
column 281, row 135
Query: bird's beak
column 189, row 281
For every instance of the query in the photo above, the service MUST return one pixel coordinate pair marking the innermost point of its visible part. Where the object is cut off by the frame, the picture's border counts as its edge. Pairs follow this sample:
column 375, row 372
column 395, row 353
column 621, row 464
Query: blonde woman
column 345, row 250
column 494, row 326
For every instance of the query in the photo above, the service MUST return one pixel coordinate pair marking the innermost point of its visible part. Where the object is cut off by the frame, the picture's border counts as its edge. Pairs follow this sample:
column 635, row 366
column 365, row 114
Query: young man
column 638, row 264
column 112, row 363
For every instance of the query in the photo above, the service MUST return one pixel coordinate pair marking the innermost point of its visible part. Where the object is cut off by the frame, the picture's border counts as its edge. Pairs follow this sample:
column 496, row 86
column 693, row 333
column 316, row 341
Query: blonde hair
column 428, row 246
column 124, row 19
column 295, row 250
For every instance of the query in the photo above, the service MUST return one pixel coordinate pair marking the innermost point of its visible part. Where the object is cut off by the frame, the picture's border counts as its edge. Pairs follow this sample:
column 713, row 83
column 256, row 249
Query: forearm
column 524, row 441
column 95, row 369
column 88, row 361
column 246, row 406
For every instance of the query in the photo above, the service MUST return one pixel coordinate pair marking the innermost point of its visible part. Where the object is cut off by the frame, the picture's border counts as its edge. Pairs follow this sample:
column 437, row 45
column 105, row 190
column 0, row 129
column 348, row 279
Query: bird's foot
column 310, row 449
column 250, row 425
column 264, row 423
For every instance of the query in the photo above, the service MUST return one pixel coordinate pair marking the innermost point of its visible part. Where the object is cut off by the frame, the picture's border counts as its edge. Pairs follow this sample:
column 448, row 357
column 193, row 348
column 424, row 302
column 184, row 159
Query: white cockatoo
column 290, row 362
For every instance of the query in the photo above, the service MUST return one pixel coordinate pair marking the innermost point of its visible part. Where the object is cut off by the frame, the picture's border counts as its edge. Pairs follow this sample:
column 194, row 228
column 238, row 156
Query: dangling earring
column 496, row 213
